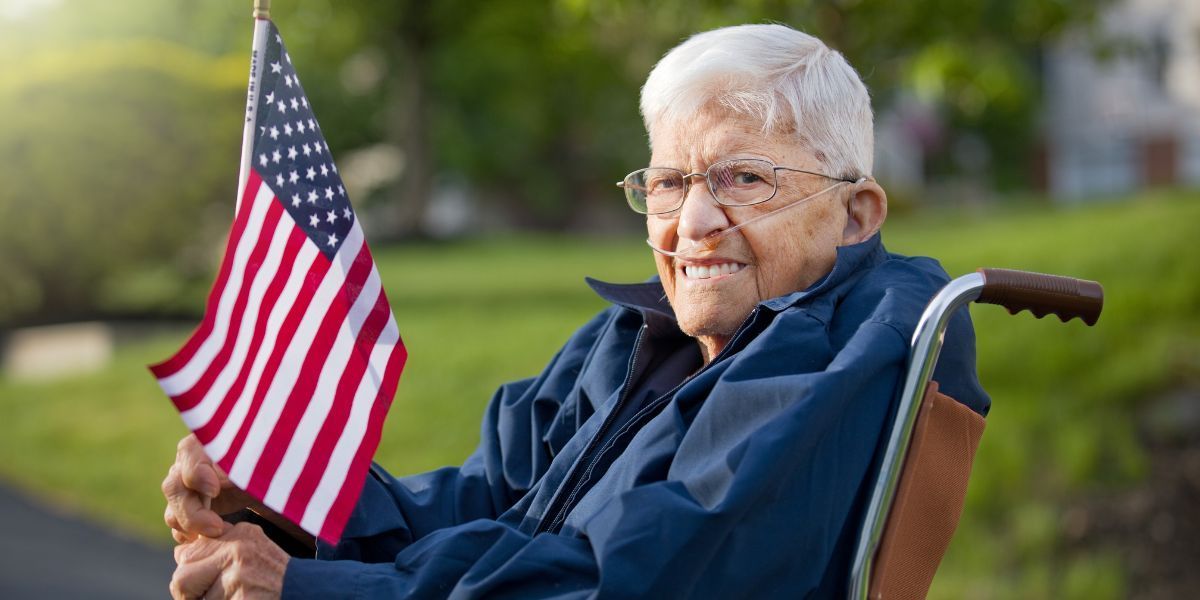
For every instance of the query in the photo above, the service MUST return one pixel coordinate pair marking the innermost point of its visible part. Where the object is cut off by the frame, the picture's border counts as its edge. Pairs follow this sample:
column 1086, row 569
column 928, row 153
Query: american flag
column 288, row 377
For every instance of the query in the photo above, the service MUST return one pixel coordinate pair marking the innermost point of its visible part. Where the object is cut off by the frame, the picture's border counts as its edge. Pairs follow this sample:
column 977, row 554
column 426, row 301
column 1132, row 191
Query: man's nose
column 700, row 215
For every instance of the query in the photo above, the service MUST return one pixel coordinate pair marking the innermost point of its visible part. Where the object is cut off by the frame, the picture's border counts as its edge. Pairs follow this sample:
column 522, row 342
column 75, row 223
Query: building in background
column 1129, row 120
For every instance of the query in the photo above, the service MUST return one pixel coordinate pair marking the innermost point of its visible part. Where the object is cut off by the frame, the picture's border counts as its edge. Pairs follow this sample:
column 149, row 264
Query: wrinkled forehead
column 714, row 133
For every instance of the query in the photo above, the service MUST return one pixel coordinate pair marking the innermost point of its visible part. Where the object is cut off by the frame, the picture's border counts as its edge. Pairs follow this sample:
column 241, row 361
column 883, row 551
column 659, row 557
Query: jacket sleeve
column 756, row 500
column 525, row 424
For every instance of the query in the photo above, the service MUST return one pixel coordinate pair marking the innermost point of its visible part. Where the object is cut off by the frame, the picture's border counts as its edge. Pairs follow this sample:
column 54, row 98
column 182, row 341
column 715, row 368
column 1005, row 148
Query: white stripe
column 352, row 435
column 183, row 380
column 200, row 414
column 293, row 358
column 318, row 408
column 300, row 269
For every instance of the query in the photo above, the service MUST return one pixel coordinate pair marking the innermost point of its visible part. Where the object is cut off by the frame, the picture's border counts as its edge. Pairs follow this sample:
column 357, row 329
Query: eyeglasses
column 735, row 182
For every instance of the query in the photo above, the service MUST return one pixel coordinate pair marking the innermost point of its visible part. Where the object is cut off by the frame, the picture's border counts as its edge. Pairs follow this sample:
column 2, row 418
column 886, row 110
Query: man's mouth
column 713, row 270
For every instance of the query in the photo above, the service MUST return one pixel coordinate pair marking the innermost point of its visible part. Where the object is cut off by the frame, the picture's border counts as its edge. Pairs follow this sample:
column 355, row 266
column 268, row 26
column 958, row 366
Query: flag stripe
column 204, row 398
column 324, row 396
column 335, row 423
column 291, row 369
column 186, row 378
column 346, row 447
column 308, row 263
column 260, row 344
column 335, row 520
column 312, row 286
column 170, row 366
column 301, row 393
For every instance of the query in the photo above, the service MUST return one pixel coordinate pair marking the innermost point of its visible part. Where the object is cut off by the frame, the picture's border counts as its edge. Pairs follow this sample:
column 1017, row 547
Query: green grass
column 476, row 314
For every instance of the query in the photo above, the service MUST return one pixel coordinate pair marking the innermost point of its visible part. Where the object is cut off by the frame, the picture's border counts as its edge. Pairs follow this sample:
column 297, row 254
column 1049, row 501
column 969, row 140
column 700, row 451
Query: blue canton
column 292, row 156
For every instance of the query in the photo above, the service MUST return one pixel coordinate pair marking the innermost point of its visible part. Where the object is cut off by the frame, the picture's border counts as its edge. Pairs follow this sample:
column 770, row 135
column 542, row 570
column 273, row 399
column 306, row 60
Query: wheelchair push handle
column 1066, row 297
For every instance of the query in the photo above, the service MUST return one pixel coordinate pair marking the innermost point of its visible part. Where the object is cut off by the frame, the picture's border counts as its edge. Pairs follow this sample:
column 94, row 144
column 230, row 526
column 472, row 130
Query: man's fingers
column 181, row 537
column 187, row 510
column 196, row 468
column 188, row 487
column 193, row 578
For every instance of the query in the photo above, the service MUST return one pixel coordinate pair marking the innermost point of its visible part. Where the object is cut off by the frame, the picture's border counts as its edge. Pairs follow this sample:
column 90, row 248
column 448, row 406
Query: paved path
column 44, row 554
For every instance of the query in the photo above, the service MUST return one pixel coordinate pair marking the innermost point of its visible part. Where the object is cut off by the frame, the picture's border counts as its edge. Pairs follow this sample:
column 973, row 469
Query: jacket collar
column 649, row 299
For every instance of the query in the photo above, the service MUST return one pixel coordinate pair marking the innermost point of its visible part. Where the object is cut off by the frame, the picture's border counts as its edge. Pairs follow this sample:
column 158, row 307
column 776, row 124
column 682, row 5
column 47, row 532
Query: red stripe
column 310, row 371
column 339, row 412
column 172, row 365
column 304, row 296
column 347, row 497
column 190, row 398
column 291, row 248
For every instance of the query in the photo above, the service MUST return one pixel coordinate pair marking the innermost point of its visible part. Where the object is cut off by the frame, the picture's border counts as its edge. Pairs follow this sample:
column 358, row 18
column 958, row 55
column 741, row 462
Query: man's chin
column 698, row 326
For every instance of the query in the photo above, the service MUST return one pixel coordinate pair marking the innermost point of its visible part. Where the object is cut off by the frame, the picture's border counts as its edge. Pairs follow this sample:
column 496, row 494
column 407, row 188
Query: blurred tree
column 105, row 183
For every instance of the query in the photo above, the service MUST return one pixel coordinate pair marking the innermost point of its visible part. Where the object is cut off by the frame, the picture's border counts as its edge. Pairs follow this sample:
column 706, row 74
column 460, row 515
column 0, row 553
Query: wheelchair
column 918, row 493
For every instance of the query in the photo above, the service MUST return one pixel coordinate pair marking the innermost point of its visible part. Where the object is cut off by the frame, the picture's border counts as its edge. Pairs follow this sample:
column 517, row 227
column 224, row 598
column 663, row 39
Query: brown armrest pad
column 929, row 498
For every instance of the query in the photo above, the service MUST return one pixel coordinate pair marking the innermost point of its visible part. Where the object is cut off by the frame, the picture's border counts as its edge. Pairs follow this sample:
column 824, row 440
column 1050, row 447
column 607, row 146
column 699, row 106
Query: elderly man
column 712, row 433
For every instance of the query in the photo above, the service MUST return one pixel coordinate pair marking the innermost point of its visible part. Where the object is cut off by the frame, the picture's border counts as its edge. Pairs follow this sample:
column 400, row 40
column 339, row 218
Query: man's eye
column 746, row 178
column 662, row 185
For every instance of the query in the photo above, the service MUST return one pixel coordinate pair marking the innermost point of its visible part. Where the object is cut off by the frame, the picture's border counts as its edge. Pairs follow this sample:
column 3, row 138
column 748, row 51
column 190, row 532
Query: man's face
column 713, row 293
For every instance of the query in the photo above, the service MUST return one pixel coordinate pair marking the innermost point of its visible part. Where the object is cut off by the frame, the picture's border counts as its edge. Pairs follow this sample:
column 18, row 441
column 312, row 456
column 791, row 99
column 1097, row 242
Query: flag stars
column 270, row 97
column 346, row 212
column 312, row 197
column 329, row 193
column 292, row 154
column 312, row 124
column 300, row 126
column 333, row 239
column 307, row 149
column 287, row 80
column 303, row 101
column 293, row 177
column 282, row 106
column 274, row 133
column 276, row 67
column 324, row 171
column 287, row 57
column 275, row 156
column 295, row 197
column 287, row 129
column 279, row 180
column 313, row 220
column 342, row 192
column 295, row 104
column 331, row 216
column 311, row 174
column 262, row 159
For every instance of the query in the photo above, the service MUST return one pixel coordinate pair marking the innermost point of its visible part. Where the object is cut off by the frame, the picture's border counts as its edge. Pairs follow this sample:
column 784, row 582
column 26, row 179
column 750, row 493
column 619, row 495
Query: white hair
column 789, row 80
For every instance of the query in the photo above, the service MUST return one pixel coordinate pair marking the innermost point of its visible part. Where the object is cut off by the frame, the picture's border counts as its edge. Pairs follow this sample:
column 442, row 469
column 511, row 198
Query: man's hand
column 198, row 492
column 242, row 563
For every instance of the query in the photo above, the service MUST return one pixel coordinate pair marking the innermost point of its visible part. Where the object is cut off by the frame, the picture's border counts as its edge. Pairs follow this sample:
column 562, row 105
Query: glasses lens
column 737, row 182
column 654, row 191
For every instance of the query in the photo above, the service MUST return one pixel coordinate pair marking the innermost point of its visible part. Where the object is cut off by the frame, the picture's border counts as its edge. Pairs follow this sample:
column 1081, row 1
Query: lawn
column 476, row 314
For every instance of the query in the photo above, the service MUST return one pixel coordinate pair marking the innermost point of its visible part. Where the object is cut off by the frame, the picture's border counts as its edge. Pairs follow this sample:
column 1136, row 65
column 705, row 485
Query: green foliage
column 104, row 180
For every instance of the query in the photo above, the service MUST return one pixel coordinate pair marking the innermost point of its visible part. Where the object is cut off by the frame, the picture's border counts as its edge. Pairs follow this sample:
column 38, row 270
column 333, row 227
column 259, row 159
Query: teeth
column 707, row 271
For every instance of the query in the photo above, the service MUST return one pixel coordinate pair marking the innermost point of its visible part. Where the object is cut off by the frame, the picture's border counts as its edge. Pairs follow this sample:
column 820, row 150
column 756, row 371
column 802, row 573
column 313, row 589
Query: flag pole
column 262, row 16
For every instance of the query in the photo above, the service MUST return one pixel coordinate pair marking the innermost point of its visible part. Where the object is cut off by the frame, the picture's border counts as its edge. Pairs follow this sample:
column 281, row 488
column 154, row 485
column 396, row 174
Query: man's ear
column 865, row 212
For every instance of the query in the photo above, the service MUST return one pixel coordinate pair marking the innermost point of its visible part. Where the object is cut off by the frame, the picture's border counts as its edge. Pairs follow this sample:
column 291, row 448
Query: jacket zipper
column 558, row 508
column 563, row 502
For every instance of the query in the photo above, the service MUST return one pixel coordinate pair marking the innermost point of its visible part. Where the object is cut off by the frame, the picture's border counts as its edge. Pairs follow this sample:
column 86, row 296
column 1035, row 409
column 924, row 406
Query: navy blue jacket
column 748, row 479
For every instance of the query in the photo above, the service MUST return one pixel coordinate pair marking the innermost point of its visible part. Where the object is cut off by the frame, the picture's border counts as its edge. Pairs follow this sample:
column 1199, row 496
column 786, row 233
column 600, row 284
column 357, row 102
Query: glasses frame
column 687, row 183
